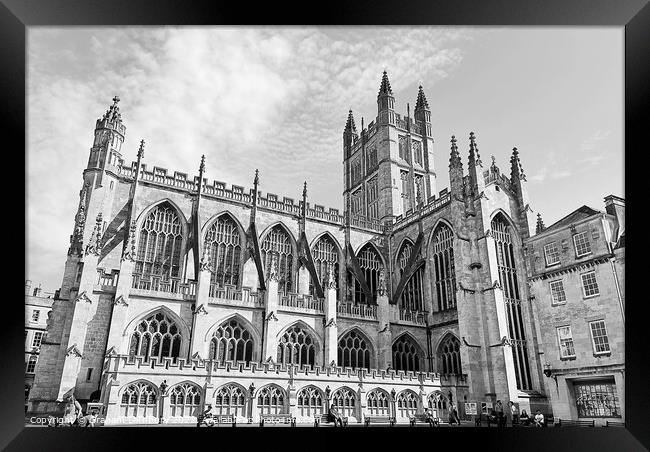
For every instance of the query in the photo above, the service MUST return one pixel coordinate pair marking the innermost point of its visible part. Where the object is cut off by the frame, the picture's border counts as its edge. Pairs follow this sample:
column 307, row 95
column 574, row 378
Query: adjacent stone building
column 576, row 274
column 178, row 292
column 38, row 305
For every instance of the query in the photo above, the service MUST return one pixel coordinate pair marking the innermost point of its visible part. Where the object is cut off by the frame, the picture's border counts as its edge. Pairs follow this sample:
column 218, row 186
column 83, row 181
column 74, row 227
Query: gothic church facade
column 178, row 292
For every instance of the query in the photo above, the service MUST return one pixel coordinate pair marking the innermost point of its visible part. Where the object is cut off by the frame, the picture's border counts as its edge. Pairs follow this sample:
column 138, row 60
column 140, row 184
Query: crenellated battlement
column 239, row 194
column 202, row 367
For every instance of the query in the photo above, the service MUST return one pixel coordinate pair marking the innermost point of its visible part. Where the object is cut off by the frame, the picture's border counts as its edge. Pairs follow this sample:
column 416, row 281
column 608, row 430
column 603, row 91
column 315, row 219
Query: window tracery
column 156, row 336
column 231, row 342
column 139, row 400
column 224, row 245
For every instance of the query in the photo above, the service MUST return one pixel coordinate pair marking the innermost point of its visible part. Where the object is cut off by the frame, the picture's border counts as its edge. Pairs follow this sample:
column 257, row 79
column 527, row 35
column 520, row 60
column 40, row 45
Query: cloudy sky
column 277, row 99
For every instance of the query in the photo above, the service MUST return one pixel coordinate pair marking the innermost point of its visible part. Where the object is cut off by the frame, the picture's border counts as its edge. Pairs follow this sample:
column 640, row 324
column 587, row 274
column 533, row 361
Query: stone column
column 271, row 320
column 331, row 329
column 384, row 346
column 250, row 278
column 423, row 401
column 292, row 397
column 252, row 404
column 201, row 321
column 112, row 409
column 361, row 402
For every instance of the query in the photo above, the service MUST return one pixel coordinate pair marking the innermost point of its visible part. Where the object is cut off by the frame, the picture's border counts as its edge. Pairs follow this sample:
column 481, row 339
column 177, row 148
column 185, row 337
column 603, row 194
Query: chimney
column 28, row 286
column 37, row 291
column 616, row 206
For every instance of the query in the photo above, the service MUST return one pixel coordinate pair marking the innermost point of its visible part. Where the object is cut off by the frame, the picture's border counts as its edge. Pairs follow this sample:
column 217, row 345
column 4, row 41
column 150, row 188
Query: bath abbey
column 179, row 292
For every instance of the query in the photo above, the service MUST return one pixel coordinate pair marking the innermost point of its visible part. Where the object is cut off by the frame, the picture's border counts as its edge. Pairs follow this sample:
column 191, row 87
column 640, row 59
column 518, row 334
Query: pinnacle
column 113, row 112
column 421, row 103
column 385, row 85
column 349, row 125
column 540, row 224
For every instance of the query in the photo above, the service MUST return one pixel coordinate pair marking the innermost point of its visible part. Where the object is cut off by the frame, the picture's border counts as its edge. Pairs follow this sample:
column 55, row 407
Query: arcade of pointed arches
column 141, row 399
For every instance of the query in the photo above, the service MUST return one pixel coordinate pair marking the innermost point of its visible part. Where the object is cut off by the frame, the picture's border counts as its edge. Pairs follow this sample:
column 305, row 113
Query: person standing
column 500, row 416
column 514, row 412
column 72, row 411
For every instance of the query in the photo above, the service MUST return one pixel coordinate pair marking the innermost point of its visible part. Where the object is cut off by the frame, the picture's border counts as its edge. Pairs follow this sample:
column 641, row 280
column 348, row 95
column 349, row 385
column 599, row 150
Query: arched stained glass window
column 444, row 274
column 310, row 402
column 449, row 355
column 370, row 264
column 230, row 399
column 297, row 346
column 184, row 400
column 325, row 253
column 412, row 296
column 278, row 241
column 378, row 403
column 405, row 354
column 224, row 244
column 406, row 404
column 231, row 342
column 156, row 336
column 507, row 268
column 139, row 400
column 344, row 400
column 159, row 244
column 270, row 400
column 354, row 351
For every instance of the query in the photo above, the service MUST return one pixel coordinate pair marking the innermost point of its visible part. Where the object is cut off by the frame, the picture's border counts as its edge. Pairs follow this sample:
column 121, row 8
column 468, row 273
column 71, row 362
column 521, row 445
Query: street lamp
column 547, row 370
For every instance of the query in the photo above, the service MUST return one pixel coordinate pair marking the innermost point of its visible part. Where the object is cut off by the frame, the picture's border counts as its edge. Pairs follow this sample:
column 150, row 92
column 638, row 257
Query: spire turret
column 454, row 158
column 385, row 86
column 540, row 224
column 516, row 170
column 385, row 102
column 113, row 112
column 474, row 156
column 350, row 125
column 421, row 102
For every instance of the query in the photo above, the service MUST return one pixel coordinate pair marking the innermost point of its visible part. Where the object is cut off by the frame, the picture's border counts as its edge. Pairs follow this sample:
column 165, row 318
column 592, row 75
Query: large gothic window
column 370, row 264
column 310, row 402
column 344, row 400
column 406, row 404
column 354, row 351
column 278, row 241
column 230, row 399
column 405, row 354
column 296, row 346
column 156, row 336
column 231, row 342
column 184, row 400
column 444, row 274
column 224, row 245
column 412, row 295
column 449, row 355
column 504, row 243
column 325, row 254
column 159, row 245
column 378, row 403
column 270, row 400
column 139, row 400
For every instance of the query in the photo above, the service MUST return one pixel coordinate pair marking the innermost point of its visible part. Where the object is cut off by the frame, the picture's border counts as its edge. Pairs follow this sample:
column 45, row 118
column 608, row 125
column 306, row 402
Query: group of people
column 497, row 415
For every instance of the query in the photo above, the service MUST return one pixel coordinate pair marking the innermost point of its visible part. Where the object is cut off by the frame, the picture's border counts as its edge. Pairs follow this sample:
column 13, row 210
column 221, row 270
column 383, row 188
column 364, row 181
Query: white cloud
column 240, row 96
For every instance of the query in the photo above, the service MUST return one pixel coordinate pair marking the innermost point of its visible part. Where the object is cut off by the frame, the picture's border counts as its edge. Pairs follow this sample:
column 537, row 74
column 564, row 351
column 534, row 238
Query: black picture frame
column 634, row 15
